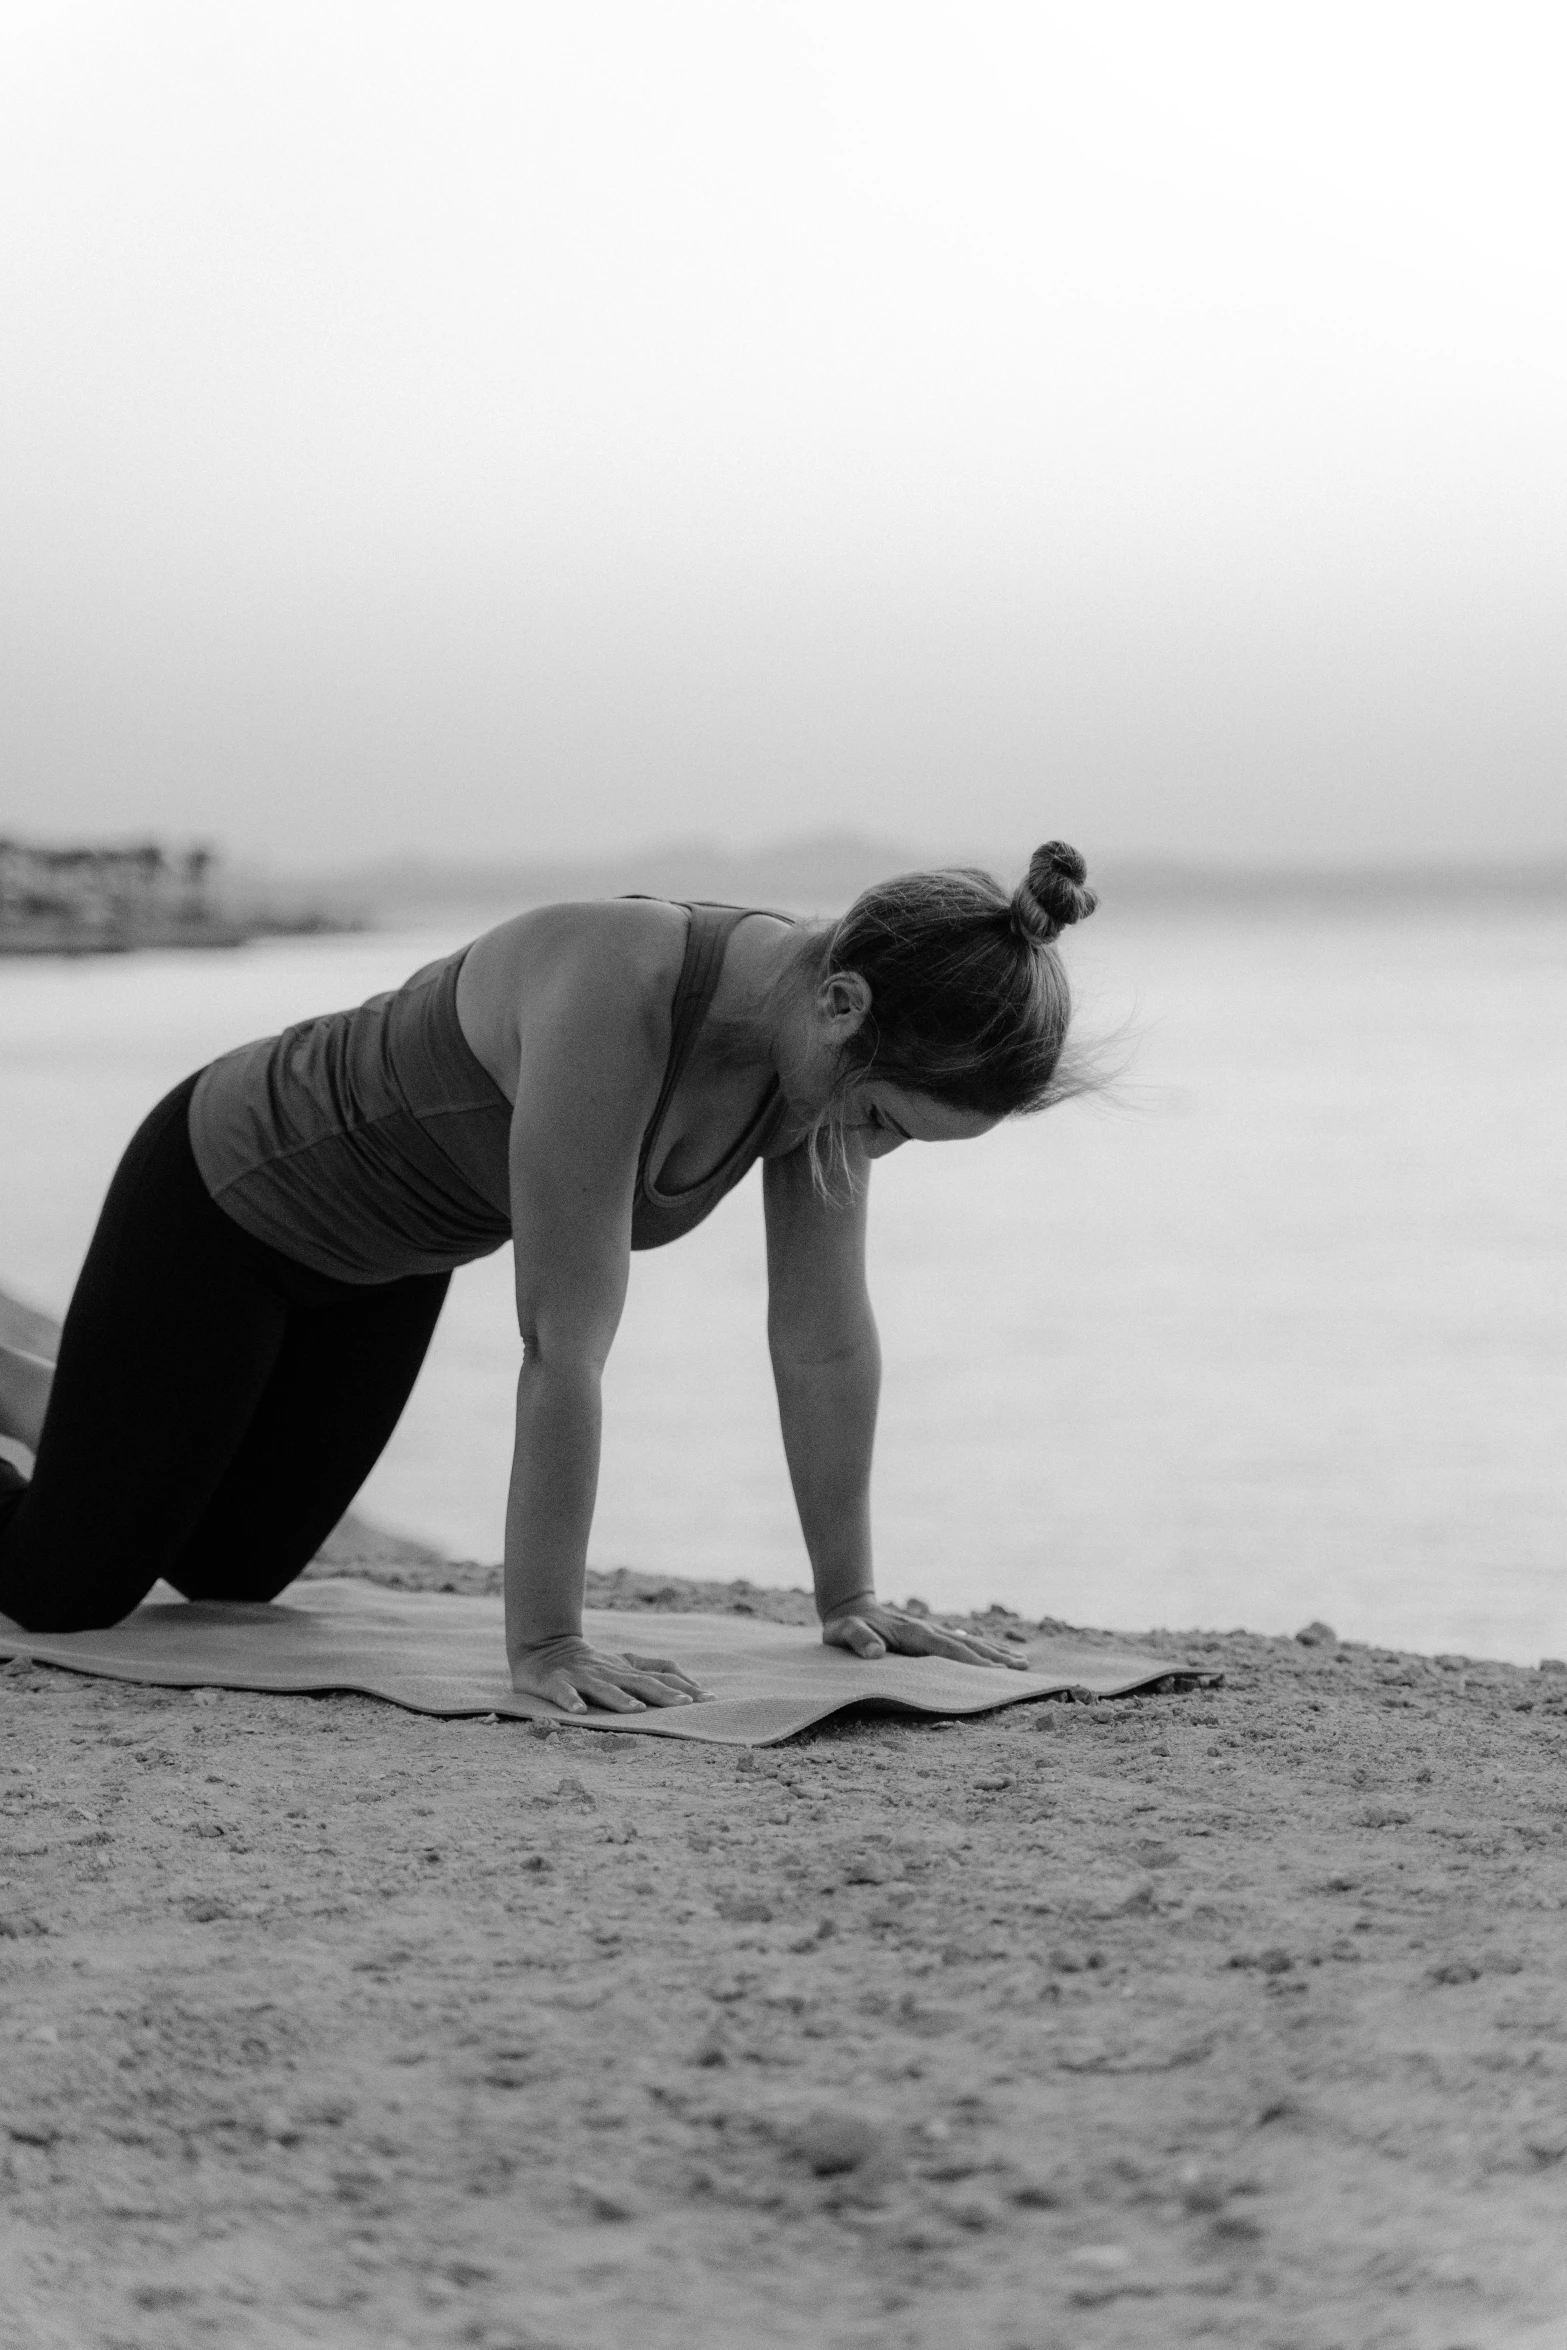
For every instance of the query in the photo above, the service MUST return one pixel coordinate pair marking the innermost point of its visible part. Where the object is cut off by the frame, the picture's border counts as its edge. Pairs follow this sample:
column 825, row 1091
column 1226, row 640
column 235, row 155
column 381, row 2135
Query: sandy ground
column 1231, row 2017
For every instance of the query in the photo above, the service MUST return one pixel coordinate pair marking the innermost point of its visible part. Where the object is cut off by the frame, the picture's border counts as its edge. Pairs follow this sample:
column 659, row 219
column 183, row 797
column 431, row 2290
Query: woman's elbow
column 571, row 1355
column 823, row 1346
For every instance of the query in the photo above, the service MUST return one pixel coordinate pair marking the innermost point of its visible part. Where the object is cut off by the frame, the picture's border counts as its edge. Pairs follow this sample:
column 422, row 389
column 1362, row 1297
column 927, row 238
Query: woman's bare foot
column 25, row 1381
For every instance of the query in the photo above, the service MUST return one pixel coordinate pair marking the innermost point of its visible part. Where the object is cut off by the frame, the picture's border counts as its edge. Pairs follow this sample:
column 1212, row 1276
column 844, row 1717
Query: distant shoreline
column 69, row 902
column 825, row 874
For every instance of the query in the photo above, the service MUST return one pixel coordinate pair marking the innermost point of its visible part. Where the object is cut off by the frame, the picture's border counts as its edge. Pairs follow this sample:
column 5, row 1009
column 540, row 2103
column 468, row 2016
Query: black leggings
column 215, row 1408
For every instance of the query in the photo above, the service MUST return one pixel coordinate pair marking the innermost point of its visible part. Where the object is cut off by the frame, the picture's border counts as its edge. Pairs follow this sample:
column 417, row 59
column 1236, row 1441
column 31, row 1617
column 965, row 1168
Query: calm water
column 1279, row 1333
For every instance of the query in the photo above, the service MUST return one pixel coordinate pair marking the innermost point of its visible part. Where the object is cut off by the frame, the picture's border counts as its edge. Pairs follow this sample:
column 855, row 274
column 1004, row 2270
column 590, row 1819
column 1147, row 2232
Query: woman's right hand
column 569, row 1673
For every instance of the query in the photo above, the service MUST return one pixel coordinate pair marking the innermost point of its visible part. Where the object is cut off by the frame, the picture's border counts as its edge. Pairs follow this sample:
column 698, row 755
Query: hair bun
column 1051, row 895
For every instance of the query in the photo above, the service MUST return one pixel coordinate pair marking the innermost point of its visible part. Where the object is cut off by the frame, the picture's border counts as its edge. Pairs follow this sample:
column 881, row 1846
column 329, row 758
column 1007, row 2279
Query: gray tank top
column 373, row 1143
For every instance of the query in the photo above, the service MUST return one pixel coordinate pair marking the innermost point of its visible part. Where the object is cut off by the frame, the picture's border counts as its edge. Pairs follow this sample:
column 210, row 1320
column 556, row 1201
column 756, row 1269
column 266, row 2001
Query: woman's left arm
column 826, row 1360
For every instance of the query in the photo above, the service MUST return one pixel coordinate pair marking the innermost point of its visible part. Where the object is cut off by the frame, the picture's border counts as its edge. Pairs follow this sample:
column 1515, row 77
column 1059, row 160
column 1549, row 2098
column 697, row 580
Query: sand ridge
column 1234, row 2016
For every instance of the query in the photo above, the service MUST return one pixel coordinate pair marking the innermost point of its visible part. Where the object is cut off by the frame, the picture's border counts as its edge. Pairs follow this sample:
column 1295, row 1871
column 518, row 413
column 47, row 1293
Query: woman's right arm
column 589, row 1072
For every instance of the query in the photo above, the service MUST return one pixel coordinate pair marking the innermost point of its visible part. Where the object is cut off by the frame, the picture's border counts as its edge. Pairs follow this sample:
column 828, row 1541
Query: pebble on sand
column 830, row 2143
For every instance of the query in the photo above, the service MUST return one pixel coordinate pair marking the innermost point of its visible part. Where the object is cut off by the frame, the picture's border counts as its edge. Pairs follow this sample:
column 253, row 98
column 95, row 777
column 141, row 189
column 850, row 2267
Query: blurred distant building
column 96, row 899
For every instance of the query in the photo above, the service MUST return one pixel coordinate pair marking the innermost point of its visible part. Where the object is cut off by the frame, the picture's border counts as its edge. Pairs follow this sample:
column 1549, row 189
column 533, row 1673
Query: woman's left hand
column 868, row 1628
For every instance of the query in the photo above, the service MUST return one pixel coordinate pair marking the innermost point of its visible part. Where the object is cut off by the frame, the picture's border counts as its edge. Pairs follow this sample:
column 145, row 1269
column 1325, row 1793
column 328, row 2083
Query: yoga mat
column 439, row 1652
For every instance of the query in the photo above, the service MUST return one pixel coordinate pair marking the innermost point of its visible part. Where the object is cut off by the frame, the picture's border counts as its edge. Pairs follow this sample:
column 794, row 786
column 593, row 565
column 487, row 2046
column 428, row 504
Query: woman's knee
column 233, row 1590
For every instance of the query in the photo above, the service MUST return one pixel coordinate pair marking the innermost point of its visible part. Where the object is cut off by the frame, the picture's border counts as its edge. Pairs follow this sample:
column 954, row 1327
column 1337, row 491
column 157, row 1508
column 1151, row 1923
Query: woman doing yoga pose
column 583, row 1080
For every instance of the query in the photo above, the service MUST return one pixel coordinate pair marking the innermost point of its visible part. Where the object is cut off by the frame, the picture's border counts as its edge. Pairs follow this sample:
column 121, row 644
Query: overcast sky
column 508, row 428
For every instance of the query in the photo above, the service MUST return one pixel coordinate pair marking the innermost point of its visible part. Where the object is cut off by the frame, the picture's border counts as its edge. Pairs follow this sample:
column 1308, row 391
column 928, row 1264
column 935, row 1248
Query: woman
column 583, row 1080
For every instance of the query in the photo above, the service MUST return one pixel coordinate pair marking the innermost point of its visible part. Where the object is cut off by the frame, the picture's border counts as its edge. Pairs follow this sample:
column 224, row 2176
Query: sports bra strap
column 709, row 934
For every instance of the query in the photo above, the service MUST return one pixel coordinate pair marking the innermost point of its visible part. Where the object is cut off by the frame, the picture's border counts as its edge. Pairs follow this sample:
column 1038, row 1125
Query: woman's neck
column 762, row 993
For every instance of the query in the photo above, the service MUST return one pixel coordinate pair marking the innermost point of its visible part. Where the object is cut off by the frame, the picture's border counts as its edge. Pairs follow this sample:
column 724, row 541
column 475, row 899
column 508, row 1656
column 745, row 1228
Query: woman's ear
column 844, row 1002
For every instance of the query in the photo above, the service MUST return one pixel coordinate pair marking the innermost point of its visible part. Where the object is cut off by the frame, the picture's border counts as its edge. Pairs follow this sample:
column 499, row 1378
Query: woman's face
column 883, row 1117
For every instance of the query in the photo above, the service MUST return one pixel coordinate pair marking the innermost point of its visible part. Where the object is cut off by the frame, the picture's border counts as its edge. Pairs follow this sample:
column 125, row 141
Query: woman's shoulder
column 633, row 938
column 591, row 959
